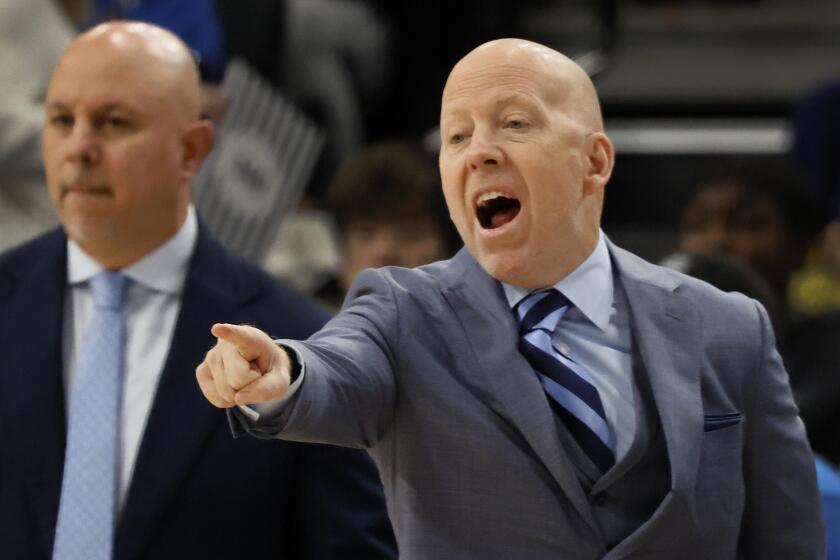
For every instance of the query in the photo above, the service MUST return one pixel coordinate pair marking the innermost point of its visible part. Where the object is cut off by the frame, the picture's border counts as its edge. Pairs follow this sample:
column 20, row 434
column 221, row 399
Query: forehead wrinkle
column 466, row 92
column 501, row 75
column 511, row 93
column 527, row 84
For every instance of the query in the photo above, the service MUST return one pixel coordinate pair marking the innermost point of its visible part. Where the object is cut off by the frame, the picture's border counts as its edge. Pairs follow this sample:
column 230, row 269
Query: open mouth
column 495, row 209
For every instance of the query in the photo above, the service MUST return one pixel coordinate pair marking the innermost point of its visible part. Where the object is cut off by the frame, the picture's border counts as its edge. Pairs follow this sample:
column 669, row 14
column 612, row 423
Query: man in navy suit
column 122, row 141
column 544, row 394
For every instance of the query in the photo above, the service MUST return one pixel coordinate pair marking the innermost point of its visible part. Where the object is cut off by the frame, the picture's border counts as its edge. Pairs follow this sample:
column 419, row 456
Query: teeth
column 490, row 196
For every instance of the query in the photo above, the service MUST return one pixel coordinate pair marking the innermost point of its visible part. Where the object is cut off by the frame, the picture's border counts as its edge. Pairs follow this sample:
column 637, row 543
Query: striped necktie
column 87, row 508
column 571, row 392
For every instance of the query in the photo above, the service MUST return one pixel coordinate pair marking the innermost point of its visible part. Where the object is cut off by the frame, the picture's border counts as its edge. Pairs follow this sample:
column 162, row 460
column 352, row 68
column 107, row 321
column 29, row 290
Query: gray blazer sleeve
column 782, row 518
column 347, row 396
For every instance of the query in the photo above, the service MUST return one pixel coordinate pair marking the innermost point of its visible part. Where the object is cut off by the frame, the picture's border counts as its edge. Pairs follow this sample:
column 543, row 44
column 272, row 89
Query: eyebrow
column 59, row 106
column 56, row 106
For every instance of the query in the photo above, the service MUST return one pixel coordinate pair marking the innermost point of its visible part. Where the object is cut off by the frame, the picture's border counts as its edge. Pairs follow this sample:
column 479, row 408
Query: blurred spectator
column 33, row 33
column 815, row 289
column 388, row 205
column 762, row 214
column 816, row 149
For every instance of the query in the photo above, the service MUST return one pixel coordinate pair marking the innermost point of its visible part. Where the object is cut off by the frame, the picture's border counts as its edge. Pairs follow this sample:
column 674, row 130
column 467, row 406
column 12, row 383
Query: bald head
column 123, row 139
column 148, row 54
column 523, row 160
column 561, row 80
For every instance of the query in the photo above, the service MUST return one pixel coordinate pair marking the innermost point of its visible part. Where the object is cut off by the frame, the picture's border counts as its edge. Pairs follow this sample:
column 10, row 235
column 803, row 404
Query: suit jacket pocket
column 712, row 422
column 719, row 486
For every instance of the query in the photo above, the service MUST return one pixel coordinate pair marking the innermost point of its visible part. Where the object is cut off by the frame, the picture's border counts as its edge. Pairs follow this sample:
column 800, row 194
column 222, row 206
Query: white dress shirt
column 595, row 333
column 153, row 299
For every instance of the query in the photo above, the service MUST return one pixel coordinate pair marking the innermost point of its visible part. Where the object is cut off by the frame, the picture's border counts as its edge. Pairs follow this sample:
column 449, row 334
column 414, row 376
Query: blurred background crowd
column 725, row 115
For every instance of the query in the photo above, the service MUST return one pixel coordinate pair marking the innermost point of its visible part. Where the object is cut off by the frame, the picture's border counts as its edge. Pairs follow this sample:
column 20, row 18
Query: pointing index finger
column 249, row 342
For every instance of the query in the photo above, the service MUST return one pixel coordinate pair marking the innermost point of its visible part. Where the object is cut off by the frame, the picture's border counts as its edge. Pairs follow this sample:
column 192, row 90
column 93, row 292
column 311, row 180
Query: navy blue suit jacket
column 196, row 492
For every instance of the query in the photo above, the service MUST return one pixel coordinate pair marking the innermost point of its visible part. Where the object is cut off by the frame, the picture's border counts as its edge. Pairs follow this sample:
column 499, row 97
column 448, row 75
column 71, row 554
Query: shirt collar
column 164, row 269
column 589, row 287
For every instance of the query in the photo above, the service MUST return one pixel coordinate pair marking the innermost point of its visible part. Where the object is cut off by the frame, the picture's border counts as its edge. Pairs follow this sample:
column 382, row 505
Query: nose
column 483, row 152
column 82, row 143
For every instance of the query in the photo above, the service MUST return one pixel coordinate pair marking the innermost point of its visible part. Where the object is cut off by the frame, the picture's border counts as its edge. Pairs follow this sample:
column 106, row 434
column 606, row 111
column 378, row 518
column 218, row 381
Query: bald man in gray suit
column 544, row 394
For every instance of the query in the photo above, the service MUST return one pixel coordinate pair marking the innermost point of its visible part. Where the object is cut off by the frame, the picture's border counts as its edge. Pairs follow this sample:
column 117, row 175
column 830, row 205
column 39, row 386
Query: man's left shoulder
column 702, row 294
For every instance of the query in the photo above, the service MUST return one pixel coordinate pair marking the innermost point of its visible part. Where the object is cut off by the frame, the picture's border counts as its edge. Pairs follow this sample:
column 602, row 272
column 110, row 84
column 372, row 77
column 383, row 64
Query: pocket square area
column 713, row 422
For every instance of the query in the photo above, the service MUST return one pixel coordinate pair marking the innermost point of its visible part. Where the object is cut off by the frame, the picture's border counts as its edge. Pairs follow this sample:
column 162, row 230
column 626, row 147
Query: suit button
column 600, row 498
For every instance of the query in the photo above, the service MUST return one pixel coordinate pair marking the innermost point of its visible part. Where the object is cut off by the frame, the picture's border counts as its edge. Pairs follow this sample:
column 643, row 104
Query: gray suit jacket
column 422, row 368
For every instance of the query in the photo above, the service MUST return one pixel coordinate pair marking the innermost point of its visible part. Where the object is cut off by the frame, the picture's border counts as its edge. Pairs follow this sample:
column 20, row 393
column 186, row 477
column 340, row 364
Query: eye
column 515, row 124
column 456, row 138
column 61, row 120
column 116, row 122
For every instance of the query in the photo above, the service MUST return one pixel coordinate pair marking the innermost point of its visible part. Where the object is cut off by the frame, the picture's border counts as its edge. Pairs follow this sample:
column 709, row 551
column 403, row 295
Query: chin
column 506, row 268
column 519, row 270
column 89, row 232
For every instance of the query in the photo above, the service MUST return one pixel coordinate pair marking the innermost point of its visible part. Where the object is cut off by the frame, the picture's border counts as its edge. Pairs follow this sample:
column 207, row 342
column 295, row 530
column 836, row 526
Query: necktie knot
column 542, row 310
column 108, row 290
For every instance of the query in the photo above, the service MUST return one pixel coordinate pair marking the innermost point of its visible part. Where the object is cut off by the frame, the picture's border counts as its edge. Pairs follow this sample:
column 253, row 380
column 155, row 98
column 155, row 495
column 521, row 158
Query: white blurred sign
column 266, row 149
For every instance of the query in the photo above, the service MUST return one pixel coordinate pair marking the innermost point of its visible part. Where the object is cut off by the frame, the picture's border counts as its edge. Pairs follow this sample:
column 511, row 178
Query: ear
column 197, row 142
column 600, row 158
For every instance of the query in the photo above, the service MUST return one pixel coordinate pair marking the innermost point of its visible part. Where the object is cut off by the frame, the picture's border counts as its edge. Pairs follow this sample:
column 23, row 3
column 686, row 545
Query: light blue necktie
column 87, row 509
column 569, row 386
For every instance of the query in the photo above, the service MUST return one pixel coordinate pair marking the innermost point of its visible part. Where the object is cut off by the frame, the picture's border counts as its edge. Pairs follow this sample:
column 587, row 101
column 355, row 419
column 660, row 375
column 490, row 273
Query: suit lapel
column 665, row 333
column 180, row 419
column 32, row 385
column 491, row 329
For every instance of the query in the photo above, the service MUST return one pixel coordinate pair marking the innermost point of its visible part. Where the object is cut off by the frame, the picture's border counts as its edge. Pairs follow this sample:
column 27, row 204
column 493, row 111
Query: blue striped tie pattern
column 571, row 392
column 87, row 508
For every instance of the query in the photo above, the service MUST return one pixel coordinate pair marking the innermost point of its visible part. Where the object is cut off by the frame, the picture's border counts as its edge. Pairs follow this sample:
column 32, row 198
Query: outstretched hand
column 245, row 367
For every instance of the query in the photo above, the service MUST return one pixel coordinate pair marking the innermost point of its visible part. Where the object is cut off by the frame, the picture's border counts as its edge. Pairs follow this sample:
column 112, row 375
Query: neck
column 117, row 252
column 556, row 267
